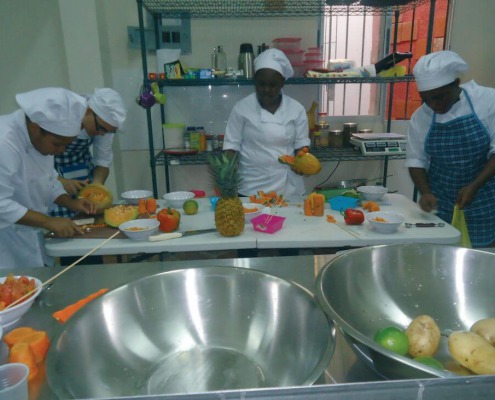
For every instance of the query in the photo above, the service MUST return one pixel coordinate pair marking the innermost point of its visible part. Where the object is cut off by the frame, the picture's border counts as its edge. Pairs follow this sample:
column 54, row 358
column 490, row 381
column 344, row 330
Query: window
column 366, row 39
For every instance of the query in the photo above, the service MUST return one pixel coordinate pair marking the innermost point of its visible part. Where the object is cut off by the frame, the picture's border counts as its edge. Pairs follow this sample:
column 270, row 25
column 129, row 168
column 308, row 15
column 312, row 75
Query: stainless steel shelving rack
column 266, row 8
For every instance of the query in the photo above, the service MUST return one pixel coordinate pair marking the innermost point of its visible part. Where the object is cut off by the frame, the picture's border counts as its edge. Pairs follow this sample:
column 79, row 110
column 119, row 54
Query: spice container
column 336, row 138
column 324, row 136
column 316, row 140
column 366, row 130
column 220, row 141
column 209, row 142
column 349, row 129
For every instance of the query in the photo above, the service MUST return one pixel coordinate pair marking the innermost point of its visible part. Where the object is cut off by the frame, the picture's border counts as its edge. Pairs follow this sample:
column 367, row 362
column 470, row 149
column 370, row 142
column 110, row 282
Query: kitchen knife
column 175, row 235
column 424, row 224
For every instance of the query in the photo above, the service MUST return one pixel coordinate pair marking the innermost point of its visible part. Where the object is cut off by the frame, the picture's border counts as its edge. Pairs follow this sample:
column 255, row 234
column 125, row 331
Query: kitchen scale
column 374, row 144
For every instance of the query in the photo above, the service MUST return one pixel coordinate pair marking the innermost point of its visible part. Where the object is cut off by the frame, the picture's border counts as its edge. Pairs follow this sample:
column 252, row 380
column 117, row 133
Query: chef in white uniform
column 451, row 145
column 89, row 157
column 266, row 125
column 48, row 120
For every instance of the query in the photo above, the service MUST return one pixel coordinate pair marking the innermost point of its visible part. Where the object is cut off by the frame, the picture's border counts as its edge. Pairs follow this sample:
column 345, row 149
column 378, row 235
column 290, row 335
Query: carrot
column 17, row 335
column 142, row 206
column 63, row 315
column 151, row 205
column 22, row 353
column 39, row 343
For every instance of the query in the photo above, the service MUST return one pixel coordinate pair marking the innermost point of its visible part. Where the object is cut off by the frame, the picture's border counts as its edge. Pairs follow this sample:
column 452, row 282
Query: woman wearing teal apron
column 451, row 145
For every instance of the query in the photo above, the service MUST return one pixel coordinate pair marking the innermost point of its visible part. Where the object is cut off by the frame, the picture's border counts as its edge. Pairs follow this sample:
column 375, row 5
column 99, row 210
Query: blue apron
column 458, row 151
column 75, row 163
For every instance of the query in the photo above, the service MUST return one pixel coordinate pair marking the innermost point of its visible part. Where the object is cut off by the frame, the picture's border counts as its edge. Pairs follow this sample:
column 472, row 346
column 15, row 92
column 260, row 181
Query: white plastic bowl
column 133, row 196
column 393, row 221
column 177, row 199
column 372, row 193
column 12, row 315
column 248, row 216
column 146, row 228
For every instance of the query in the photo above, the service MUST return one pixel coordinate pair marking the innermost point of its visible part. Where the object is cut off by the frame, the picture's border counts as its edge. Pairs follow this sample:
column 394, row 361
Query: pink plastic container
column 299, row 69
column 294, row 56
column 287, row 43
column 313, row 64
column 268, row 223
column 313, row 56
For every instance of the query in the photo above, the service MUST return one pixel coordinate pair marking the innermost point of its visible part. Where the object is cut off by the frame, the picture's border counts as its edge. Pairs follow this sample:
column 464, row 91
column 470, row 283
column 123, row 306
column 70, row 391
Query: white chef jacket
column 483, row 100
column 261, row 137
column 28, row 181
column 102, row 148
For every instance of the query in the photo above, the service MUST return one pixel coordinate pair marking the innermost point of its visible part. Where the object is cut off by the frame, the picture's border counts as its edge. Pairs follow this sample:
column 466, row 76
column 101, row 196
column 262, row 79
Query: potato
column 485, row 328
column 424, row 336
column 473, row 352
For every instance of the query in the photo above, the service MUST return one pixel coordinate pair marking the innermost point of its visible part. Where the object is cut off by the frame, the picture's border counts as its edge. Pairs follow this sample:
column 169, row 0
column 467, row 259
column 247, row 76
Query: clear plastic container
column 313, row 56
column 299, row 69
column 294, row 56
column 287, row 43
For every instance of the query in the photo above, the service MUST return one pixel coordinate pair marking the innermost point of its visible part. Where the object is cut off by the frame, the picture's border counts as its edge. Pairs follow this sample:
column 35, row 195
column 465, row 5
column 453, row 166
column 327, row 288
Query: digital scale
column 375, row 144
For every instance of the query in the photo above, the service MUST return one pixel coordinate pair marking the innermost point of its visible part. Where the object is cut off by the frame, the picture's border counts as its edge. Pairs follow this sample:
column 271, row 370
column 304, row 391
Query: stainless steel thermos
column 246, row 60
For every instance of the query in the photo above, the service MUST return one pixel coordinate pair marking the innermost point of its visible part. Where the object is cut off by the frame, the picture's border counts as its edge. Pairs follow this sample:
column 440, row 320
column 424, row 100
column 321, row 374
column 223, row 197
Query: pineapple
column 229, row 213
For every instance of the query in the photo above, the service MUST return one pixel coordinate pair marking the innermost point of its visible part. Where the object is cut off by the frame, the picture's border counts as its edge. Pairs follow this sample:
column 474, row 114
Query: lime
column 430, row 361
column 190, row 207
column 393, row 339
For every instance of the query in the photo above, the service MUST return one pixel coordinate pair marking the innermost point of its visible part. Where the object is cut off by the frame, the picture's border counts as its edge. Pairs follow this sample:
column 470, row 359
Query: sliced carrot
column 151, row 205
column 22, row 353
column 63, row 315
column 142, row 206
column 17, row 335
column 39, row 343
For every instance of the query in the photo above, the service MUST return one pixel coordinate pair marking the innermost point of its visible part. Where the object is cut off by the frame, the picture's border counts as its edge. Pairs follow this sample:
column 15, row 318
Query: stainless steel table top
column 343, row 369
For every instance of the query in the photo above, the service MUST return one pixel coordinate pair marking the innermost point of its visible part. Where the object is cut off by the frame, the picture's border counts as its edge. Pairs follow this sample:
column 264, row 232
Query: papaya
column 303, row 162
column 114, row 216
column 314, row 205
column 307, row 164
column 98, row 194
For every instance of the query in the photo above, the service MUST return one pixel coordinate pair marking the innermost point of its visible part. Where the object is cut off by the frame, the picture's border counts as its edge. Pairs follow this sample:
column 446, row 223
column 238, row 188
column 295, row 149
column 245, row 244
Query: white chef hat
column 438, row 69
column 274, row 59
column 56, row 110
column 109, row 106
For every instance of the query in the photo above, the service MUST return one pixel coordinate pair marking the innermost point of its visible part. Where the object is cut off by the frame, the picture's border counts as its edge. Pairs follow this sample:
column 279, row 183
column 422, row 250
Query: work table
column 298, row 231
column 345, row 366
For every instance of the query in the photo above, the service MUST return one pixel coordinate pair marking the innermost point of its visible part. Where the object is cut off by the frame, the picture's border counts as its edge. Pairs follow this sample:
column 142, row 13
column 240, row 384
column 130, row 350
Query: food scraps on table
column 371, row 206
column 63, row 315
column 331, row 219
column 268, row 199
column 248, row 210
column 14, row 288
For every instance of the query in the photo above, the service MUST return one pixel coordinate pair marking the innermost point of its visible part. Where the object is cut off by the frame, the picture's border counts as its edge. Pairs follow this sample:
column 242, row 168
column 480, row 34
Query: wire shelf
column 330, row 154
column 276, row 8
column 290, row 81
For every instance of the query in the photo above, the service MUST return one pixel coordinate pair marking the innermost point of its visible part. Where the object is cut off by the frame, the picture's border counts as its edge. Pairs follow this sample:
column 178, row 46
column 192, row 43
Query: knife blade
column 424, row 224
column 176, row 235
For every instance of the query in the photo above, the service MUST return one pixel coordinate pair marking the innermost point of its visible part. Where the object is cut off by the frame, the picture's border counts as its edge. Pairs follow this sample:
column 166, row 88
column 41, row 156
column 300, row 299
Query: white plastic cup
column 14, row 381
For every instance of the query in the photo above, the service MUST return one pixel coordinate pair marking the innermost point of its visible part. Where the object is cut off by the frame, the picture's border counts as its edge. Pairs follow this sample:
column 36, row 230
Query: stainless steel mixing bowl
column 192, row 330
column 369, row 288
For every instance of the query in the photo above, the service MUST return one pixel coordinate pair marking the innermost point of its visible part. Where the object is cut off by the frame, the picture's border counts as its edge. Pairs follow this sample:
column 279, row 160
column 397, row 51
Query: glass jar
column 336, row 138
column 349, row 129
column 316, row 140
column 220, row 141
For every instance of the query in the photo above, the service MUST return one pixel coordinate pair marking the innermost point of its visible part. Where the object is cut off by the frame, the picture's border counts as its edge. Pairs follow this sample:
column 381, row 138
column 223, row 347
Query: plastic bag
column 459, row 222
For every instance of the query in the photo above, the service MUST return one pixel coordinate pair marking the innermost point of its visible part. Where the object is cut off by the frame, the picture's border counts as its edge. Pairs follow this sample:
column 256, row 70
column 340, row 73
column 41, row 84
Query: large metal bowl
column 369, row 288
column 192, row 330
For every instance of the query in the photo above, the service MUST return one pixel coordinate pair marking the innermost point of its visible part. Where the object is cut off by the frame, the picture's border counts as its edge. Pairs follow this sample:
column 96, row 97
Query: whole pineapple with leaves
column 229, row 213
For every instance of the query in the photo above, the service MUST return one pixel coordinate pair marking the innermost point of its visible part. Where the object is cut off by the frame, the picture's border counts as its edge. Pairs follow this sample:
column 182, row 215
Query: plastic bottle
column 221, row 64
column 214, row 58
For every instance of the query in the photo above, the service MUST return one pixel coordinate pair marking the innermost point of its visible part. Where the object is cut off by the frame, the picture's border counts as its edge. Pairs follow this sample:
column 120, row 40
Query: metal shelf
column 330, row 154
column 276, row 8
column 291, row 81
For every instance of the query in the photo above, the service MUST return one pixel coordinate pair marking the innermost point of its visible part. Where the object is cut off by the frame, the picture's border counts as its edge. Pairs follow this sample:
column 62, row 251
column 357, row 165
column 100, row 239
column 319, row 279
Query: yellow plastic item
column 459, row 222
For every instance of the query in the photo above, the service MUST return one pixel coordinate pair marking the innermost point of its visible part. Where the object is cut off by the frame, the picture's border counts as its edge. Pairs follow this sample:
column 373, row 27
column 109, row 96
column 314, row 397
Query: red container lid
column 287, row 40
column 198, row 193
